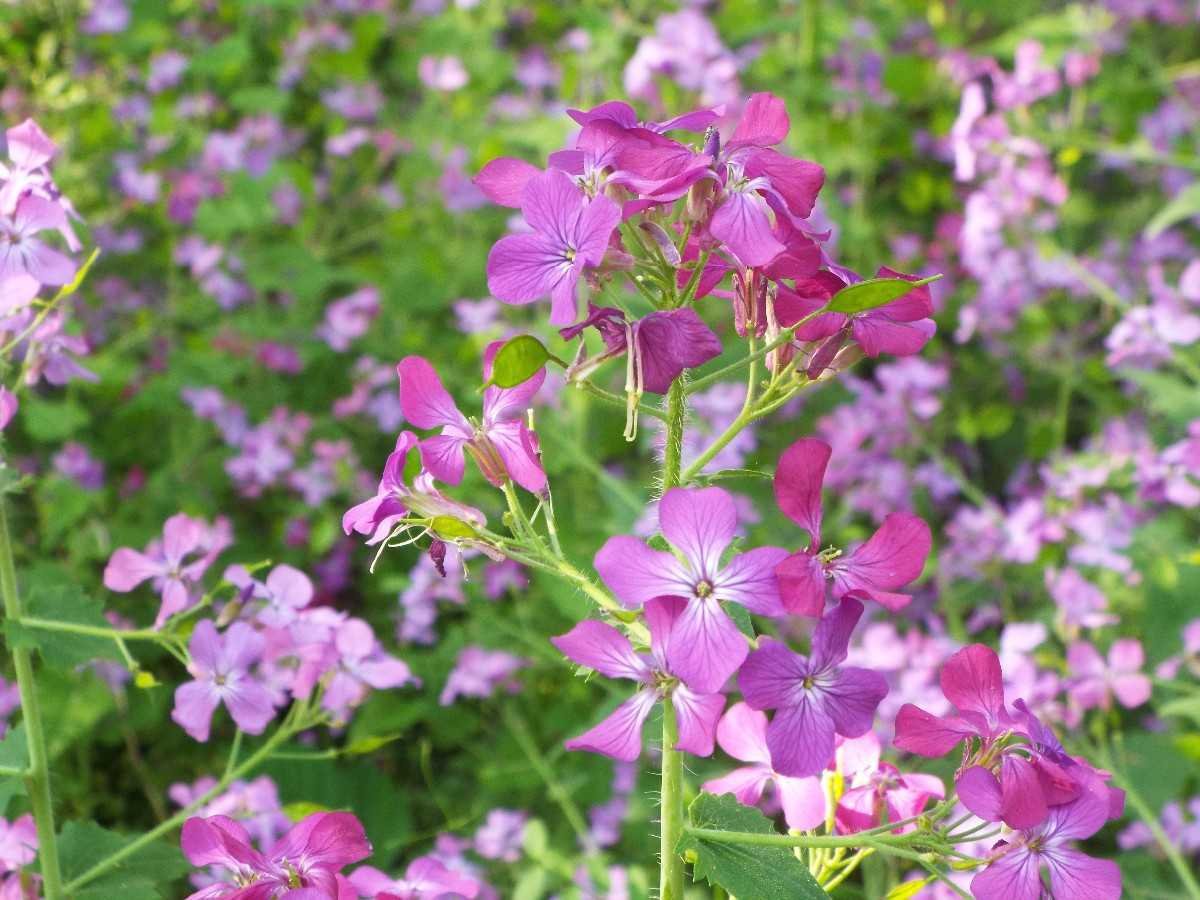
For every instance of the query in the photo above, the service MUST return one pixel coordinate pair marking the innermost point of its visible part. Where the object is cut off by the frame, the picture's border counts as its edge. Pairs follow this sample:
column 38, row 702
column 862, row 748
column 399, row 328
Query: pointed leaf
column 872, row 293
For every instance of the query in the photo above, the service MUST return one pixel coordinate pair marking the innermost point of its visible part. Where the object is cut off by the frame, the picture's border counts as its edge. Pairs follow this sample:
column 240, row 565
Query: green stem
column 670, row 883
column 281, row 734
column 617, row 400
column 520, row 730
column 37, row 776
column 116, row 634
column 889, row 843
column 673, row 450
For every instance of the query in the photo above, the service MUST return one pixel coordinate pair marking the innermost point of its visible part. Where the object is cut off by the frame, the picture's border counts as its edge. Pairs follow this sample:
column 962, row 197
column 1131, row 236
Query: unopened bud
column 437, row 555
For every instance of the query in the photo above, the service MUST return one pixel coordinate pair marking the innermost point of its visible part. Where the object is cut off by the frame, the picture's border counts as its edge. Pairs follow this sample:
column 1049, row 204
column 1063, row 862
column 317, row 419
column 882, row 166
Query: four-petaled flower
column 501, row 444
column 705, row 647
column 569, row 232
column 891, row 558
column 304, row 864
column 220, row 665
column 602, row 647
column 815, row 698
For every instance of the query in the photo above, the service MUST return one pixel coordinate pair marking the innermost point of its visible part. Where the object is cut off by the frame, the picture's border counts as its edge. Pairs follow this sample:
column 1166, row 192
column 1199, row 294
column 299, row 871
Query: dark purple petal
column 1014, row 876
column 1077, row 876
column 879, row 334
column 801, row 739
column 1022, row 802
column 802, row 587
column 669, row 342
column 764, row 122
column 749, row 579
column 797, row 181
column 831, row 638
column 852, row 699
column 772, row 675
column 327, row 841
column 891, row 558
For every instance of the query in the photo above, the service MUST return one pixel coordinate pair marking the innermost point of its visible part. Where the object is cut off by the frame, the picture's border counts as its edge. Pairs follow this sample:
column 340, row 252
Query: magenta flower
column 1015, row 870
column 304, row 864
column 501, row 444
column 815, row 698
column 874, row 787
column 1094, row 682
column 221, row 667
column 569, row 232
column 901, row 327
column 891, row 558
column 705, row 647
column 166, row 562
column 394, row 499
column 1016, row 783
column 602, row 647
column 425, row 876
column 742, row 734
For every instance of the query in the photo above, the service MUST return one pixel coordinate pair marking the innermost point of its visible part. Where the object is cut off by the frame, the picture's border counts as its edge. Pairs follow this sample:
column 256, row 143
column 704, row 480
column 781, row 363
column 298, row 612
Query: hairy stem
column 673, row 450
column 670, row 883
column 37, row 776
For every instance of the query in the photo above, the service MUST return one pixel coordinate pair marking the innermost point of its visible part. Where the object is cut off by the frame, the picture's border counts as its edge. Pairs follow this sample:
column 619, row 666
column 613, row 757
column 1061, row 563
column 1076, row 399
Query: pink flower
column 302, row 865
column 348, row 318
column 742, row 734
column 569, row 232
column 425, row 877
column 166, row 563
column 815, row 698
column 29, row 149
column 1016, row 783
column 26, row 262
column 221, row 667
column 874, row 786
column 394, row 499
column 18, row 843
column 442, row 73
column 1015, row 870
column 362, row 664
column 285, row 591
column 602, row 647
column 705, row 647
column 1094, row 683
column 8, row 406
column 479, row 672
column 501, row 444
column 891, row 558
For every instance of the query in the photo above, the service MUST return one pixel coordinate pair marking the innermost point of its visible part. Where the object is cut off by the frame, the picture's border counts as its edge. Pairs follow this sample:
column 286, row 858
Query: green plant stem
column 37, row 776
column 251, row 762
column 616, row 400
column 561, row 796
column 890, row 843
column 670, row 883
column 673, row 450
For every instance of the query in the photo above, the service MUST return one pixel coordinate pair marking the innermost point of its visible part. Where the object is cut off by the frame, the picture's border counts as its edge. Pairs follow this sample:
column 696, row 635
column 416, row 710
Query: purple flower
column 1014, row 872
column 348, row 319
column 502, row 835
column 30, row 150
column 705, row 646
column 569, row 232
column 166, row 563
column 874, row 786
column 1095, row 682
column 284, row 593
column 26, row 262
column 361, row 665
column 501, row 445
column 891, row 558
column 602, row 647
column 442, row 73
column 815, row 698
column 18, row 843
column 479, row 672
column 742, row 734
column 305, row 862
column 8, row 406
column 424, row 877
column 221, row 667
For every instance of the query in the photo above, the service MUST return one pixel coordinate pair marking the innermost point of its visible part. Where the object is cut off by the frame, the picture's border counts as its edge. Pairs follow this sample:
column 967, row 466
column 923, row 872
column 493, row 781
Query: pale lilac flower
column 220, row 665
column 29, row 150
column 18, row 843
column 305, row 863
column 815, row 698
column 424, row 877
column 442, row 73
column 362, row 664
column 76, row 462
column 479, row 672
column 283, row 594
column 349, row 317
column 742, row 733
column 24, row 258
column 705, row 647
column 1094, row 681
column 106, row 17
column 255, row 804
column 8, row 406
column 686, row 49
column 175, row 563
column 501, row 835
column 602, row 647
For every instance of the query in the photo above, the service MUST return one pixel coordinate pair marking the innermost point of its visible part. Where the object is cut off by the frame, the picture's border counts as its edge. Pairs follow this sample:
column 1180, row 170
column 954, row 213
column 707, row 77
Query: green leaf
column 14, row 752
column 62, row 649
column 52, row 422
column 746, row 871
column 146, row 875
column 1183, row 205
column 872, row 293
column 518, row 360
column 741, row 618
column 9, row 788
column 1187, row 707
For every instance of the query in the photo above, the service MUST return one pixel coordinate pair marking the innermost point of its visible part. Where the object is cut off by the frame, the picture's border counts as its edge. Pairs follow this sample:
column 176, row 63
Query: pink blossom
column 220, row 665
column 442, row 73
column 425, row 876
column 1094, row 681
column 479, row 672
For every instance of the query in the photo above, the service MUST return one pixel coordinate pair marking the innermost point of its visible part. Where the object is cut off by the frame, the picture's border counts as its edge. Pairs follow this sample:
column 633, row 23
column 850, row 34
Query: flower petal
column 802, row 587
column 798, row 480
column 423, row 399
column 801, row 739
column 697, row 716
column 831, row 637
column 891, row 558
column 852, row 699
column 743, row 224
column 602, row 647
column 742, row 733
column 771, row 674
column 749, row 579
column 803, row 801
column 928, row 735
column 764, row 122
column 195, row 703
column 1077, row 876
column 705, row 647
column 503, row 180
column 700, row 523
column 1014, row 876
column 635, row 573
column 620, row 734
